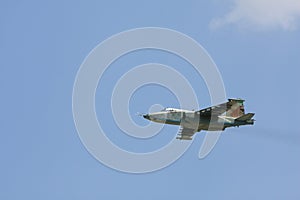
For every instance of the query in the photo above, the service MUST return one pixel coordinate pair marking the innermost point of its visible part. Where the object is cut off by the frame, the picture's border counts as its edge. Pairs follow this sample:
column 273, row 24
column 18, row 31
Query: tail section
column 236, row 108
column 245, row 117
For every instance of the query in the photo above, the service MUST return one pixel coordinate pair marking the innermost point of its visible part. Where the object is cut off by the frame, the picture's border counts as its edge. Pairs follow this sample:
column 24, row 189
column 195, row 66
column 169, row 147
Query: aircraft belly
column 215, row 126
column 172, row 122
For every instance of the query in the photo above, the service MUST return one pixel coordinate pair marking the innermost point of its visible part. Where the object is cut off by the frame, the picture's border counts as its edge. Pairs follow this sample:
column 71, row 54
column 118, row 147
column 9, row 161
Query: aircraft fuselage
column 192, row 119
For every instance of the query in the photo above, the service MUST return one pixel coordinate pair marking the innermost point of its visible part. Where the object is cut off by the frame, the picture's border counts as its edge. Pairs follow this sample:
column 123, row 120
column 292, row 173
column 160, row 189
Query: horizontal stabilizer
column 245, row 117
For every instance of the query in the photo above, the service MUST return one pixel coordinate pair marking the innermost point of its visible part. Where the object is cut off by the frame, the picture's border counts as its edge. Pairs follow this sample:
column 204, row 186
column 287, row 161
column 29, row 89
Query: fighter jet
column 215, row 118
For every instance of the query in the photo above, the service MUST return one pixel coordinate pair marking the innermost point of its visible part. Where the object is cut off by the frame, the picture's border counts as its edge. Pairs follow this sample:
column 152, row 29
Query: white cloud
column 261, row 15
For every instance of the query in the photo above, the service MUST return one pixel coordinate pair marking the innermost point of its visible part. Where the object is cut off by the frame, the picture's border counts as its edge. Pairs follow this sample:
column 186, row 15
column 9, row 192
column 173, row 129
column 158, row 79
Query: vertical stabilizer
column 236, row 108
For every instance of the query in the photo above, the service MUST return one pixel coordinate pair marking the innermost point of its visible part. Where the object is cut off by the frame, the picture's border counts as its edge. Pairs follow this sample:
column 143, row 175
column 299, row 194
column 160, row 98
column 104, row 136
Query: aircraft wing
column 215, row 110
column 185, row 133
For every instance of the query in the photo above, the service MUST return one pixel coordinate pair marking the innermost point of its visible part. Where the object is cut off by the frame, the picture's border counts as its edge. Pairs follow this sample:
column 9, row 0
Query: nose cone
column 146, row 116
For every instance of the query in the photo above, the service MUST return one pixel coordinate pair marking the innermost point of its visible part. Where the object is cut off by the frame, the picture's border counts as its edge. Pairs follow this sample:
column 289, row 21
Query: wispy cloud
column 261, row 15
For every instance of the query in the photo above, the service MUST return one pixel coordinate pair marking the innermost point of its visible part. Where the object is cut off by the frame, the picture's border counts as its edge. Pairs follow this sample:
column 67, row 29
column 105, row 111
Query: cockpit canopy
column 171, row 109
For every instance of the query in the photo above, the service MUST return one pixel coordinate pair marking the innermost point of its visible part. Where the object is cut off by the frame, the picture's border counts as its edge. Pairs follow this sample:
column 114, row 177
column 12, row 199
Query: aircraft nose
column 146, row 116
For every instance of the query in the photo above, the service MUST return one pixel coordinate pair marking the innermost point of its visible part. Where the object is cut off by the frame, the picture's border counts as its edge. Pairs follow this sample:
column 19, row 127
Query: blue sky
column 255, row 45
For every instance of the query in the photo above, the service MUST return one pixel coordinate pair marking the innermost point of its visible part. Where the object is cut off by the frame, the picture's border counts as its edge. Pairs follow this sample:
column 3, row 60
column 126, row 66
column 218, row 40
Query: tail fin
column 236, row 108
